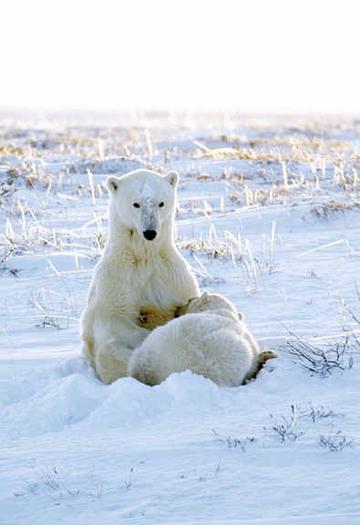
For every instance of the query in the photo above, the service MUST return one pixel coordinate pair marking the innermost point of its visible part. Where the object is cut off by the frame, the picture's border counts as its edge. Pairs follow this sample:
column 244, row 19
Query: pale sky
column 249, row 55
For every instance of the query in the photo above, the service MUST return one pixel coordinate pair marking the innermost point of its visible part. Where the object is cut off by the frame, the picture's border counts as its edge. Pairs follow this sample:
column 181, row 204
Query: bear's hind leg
column 111, row 361
column 262, row 358
column 87, row 350
column 87, row 336
column 143, row 368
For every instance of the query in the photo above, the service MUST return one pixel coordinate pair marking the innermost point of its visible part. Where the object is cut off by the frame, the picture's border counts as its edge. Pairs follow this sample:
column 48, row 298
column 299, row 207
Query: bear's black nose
column 149, row 234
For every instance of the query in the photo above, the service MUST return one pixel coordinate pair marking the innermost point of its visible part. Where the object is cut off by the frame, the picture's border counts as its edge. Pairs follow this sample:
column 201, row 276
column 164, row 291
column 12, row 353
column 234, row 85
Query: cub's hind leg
column 261, row 359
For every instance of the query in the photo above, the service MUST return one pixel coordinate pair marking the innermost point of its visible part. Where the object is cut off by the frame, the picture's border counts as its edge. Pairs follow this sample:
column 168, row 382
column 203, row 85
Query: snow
column 284, row 249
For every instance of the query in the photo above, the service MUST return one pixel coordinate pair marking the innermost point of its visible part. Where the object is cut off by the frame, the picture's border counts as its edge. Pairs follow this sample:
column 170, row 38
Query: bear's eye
column 161, row 205
column 136, row 205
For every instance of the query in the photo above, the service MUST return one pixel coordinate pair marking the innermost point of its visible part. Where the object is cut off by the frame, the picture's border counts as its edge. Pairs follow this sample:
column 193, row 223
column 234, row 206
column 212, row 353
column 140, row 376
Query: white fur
column 210, row 339
column 133, row 272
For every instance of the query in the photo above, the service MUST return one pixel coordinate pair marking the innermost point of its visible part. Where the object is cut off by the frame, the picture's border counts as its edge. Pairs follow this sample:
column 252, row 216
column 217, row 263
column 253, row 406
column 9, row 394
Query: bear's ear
column 173, row 178
column 205, row 295
column 112, row 184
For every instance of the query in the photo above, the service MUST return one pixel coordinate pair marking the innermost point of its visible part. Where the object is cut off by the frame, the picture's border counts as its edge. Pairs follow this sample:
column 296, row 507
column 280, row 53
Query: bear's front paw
column 152, row 317
column 181, row 310
column 142, row 319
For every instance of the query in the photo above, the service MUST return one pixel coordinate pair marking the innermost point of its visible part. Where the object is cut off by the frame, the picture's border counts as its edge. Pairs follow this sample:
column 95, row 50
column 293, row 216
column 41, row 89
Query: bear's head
column 212, row 303
column 144, row 201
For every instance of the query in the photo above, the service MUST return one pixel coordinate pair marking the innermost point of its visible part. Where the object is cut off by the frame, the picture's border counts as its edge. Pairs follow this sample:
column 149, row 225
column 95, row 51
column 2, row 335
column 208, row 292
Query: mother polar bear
column 141, row 274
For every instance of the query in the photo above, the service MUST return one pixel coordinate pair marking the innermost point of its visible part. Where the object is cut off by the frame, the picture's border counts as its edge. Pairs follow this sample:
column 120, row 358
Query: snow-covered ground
column 269, row 215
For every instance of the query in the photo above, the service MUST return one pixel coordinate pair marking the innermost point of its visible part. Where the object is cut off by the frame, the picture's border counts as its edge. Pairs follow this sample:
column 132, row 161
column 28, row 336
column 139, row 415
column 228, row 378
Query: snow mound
column 66, row 394
column 131, row 402
column 55, row 405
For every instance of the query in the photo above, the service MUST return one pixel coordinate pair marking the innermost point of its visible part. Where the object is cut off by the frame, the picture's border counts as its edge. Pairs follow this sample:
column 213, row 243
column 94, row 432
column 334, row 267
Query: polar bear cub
column 210, row 339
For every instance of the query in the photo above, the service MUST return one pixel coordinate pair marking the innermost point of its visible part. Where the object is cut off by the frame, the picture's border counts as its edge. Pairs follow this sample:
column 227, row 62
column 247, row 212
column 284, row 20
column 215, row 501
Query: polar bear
column 210, row 338
column 141, row 274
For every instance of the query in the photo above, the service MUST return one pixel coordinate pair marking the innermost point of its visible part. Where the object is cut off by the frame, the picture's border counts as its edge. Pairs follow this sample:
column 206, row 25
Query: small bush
column 321, row 361
column 285, row 427
column 335, row 442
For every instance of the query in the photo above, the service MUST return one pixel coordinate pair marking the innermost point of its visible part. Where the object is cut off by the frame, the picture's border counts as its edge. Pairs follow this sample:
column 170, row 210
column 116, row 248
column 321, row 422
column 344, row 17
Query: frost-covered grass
column 269, row 215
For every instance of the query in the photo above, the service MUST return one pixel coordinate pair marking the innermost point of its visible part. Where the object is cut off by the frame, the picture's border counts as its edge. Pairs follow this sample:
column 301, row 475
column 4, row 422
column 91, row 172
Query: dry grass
column 293, row 154
column 324, row 211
